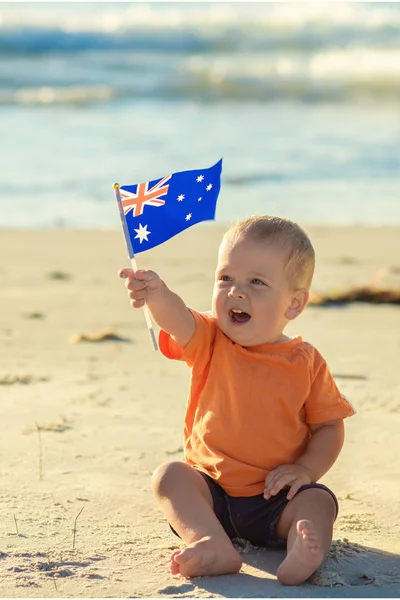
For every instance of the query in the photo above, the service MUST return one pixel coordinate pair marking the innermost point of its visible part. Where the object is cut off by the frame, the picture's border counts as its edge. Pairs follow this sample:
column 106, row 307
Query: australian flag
column 157, row 210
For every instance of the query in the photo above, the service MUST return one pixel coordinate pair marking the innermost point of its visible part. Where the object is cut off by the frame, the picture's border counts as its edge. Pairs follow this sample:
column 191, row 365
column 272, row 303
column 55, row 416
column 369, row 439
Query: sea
column 301, row 100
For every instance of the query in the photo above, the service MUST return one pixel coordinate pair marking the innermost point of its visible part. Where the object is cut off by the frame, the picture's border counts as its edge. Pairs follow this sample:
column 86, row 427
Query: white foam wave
column 108, row 17
column 355, row 65
column 51, row 95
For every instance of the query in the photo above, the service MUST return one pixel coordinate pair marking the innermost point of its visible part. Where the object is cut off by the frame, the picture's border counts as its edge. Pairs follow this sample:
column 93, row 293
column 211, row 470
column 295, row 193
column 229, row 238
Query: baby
column 264, row 419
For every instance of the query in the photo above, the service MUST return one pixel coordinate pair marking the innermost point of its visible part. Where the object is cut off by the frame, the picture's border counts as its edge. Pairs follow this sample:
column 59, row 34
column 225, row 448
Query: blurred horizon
column 301, row 100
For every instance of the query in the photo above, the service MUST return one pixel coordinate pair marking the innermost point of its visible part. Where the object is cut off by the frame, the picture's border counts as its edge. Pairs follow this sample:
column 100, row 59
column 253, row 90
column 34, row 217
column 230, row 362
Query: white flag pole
column 131, row 255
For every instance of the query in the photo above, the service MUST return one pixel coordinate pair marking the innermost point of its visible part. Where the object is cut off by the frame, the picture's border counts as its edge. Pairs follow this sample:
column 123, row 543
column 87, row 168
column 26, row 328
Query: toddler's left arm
column 322, row 451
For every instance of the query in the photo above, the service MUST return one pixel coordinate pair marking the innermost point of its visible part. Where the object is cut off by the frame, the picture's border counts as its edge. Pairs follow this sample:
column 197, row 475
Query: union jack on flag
column 155, row 211
column 136, row 201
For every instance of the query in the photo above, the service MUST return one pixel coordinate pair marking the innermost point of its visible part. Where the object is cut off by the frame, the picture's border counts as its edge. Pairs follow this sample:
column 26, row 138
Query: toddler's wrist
column 308, row 471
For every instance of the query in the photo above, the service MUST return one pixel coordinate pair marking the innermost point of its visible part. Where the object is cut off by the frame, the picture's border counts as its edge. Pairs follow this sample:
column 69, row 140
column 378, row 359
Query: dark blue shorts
column 253, row 518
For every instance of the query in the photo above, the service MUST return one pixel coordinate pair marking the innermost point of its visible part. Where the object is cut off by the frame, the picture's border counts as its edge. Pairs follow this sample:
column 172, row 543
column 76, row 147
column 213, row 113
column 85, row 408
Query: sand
column 85, row 422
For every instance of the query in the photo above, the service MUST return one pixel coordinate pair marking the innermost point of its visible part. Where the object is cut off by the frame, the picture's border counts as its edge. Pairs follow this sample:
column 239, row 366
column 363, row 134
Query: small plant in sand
column 74, row 529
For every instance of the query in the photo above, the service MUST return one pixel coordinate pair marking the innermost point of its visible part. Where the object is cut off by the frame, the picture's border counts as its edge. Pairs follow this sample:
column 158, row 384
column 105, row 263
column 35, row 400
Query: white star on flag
column 200, row 178
column 188, row 217
column 208, row 188
column 180, row 197
column 142, row 233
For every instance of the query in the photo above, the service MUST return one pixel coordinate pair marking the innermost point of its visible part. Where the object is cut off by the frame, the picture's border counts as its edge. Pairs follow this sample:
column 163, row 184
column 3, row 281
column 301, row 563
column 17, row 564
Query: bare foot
column 304, row 558
column 207, row 556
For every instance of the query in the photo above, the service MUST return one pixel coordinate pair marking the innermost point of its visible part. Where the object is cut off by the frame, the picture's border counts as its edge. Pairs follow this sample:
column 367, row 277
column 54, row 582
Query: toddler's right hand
column 143, row 286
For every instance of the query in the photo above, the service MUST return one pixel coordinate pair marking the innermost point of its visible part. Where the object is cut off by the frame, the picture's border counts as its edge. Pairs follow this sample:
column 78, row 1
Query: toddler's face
column 251, row 292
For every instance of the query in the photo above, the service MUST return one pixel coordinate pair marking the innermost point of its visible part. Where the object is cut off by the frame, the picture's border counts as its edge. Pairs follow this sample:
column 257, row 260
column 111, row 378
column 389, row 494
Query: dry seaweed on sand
column 99, row 336
column 367, row 294
column 20, row 379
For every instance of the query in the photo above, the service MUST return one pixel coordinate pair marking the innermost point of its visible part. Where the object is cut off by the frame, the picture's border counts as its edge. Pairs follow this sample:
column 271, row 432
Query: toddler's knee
column 166, row 477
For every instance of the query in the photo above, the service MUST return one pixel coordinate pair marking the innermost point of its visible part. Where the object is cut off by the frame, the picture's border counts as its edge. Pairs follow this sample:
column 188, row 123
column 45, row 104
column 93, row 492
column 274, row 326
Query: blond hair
column 286, row 235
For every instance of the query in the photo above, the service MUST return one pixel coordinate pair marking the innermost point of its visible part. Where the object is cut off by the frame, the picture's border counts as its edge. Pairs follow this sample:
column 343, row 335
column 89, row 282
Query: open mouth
column 239, row 316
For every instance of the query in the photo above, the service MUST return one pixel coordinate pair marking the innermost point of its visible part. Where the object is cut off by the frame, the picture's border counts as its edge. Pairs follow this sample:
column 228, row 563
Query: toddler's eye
column 257, row 281
column 224, row 278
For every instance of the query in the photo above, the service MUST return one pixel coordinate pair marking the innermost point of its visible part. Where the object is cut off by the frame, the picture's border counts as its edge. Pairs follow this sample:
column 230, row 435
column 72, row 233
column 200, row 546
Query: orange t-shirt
column 249, row 408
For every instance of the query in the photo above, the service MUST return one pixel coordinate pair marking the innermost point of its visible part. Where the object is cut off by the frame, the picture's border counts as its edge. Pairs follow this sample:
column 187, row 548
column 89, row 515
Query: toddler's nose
column 236, row 293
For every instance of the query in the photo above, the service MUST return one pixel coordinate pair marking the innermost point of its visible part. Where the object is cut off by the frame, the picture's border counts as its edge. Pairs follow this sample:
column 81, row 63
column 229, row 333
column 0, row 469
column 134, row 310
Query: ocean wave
column 203, row 91
column 331, row 75
column 185, row 28
column 47, row 95
column 50, row 53
column 235, row 39
column 282, row 17
column 44, row 41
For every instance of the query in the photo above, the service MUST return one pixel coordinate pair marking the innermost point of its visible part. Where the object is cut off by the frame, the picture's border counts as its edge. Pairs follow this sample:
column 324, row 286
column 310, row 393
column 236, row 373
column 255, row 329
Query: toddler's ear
column 298, row 304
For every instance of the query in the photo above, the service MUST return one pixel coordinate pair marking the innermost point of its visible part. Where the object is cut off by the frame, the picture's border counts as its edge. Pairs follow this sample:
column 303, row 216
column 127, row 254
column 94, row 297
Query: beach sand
column 84, row 423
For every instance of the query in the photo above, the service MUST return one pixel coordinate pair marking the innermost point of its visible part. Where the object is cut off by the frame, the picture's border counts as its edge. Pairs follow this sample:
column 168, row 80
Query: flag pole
column 132, row 258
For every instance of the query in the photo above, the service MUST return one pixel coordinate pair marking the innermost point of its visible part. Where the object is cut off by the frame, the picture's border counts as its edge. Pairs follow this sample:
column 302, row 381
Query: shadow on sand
column 349, row 571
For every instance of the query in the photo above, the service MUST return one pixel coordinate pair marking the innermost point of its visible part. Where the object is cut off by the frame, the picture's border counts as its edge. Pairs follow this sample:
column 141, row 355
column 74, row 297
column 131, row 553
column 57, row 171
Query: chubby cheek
column 217, row 304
